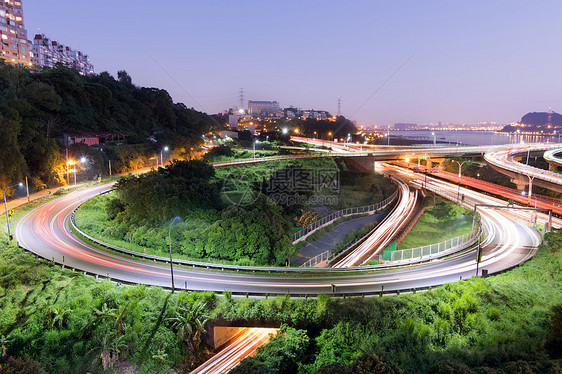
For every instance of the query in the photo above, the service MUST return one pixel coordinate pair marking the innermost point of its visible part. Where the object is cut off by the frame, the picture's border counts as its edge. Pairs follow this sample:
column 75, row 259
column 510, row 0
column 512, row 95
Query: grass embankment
column 444, row 221
column 64, row 322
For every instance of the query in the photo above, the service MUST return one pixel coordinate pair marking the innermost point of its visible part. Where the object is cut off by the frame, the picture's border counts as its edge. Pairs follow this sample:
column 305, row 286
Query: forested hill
column 37, row 108
column 541, row 119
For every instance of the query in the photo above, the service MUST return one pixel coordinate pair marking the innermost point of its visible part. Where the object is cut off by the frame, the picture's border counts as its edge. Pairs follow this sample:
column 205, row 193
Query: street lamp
column 170, row 241
column 71, row 162
column 255, row 141
column 6, row 206
column 460, row 166
column 530, row 187
column 285, row 131
column 165, row 149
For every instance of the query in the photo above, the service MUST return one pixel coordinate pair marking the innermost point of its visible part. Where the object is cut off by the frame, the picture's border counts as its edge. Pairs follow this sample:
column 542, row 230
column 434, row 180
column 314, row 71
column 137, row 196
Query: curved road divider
column 207, row 265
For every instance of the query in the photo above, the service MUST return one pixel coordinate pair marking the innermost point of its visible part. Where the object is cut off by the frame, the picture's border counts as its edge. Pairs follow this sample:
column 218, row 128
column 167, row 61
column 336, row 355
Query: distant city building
column 47, row 53
column 405, row 126
column 262, row 108
column 315, row 114
column 15, row 46
column 92, row 138
column 233, row 121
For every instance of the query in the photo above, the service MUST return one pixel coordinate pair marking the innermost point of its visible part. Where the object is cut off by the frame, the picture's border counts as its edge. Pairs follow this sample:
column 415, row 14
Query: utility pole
column 478, row 255
column 109, row 168
column 339, row 106
column 27, row 189
column 67, row 176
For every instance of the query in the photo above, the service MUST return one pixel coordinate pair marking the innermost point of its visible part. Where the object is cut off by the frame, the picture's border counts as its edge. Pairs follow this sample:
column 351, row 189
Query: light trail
column 385, row 231
column 242, row 346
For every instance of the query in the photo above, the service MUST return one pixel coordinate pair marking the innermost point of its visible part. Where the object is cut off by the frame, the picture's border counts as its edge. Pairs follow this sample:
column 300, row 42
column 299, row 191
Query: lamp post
column 71, row 162
column 6, row 207
column 460, row 166
column 530, row 187
column 170, row 241
column 161, row 159
column 255, row 141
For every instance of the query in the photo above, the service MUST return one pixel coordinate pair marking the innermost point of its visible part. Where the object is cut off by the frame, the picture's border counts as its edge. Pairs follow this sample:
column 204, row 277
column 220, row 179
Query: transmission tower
column 241, row 98
column 549, row 117
column 339, row 106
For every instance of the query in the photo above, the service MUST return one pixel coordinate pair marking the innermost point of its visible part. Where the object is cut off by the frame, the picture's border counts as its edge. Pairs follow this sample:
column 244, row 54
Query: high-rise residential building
column 262, row 108
column 15, row 46
column 47, row 53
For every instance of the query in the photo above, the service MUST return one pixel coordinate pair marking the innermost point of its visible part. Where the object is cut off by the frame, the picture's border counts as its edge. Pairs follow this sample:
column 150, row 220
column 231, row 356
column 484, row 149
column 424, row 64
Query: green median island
column 242, row 215
column 441, row 221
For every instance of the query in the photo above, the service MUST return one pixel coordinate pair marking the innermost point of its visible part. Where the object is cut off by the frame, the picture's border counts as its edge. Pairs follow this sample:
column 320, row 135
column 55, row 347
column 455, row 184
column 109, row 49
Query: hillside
column 37, row 108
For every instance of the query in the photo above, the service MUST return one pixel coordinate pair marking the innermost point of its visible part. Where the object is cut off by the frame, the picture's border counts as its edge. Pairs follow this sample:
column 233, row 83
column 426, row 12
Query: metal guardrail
column 326, row 220
column 206, row 265
column 433, row 250
column 277, row 158
column 327, row 255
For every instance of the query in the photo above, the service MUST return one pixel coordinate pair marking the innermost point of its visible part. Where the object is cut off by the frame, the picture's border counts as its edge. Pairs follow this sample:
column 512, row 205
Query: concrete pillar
column 520, row 183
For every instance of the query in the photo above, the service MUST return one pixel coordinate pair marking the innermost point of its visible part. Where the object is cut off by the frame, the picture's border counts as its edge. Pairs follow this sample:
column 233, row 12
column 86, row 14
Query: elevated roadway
column 504, row 161
column 551, row 156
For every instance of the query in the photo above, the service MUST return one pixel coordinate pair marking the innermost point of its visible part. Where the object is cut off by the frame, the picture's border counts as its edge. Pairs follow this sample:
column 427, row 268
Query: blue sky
column 470, row 61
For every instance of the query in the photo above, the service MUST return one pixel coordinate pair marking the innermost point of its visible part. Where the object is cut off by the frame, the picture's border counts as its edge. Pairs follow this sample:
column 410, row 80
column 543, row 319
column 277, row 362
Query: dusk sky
column 470, row 61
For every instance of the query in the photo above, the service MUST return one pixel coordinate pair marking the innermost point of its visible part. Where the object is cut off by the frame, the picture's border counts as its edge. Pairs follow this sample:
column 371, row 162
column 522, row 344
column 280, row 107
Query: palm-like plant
column 57, row 316
column 189, row 323
column 3, row 343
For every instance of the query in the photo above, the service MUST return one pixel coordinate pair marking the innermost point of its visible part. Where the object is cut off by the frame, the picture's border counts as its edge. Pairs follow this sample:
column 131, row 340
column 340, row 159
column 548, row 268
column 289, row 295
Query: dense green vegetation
column 443, row 221
column 509, row 323
column 64, row 322
column 36, row 109
column 228, row 214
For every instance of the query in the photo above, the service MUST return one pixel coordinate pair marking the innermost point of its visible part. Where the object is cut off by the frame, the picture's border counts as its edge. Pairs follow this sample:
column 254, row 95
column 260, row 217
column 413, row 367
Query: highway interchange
column 509, row 240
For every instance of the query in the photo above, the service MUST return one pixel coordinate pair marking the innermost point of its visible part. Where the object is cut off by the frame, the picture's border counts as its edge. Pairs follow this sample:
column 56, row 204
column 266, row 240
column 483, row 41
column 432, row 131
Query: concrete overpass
column 367, row 155
column 553, row 160
column 506, row 162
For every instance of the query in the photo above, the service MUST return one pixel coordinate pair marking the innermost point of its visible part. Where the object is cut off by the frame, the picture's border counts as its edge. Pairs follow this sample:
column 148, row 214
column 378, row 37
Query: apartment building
column 47, row 53
column 13, row 35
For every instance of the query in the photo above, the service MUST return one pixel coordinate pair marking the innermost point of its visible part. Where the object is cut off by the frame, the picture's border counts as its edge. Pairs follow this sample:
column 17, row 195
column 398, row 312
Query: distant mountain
column 536, row 121
column 541, row 119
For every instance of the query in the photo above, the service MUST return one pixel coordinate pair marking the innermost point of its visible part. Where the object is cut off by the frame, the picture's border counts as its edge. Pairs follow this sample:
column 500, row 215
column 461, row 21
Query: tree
column 189, row 323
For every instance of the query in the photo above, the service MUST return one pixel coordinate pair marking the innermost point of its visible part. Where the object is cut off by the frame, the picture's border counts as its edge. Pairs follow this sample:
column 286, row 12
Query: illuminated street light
column 71, row 162
column 285, row 131
column 460, row 166
column 6, row 207
column 163, row 150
